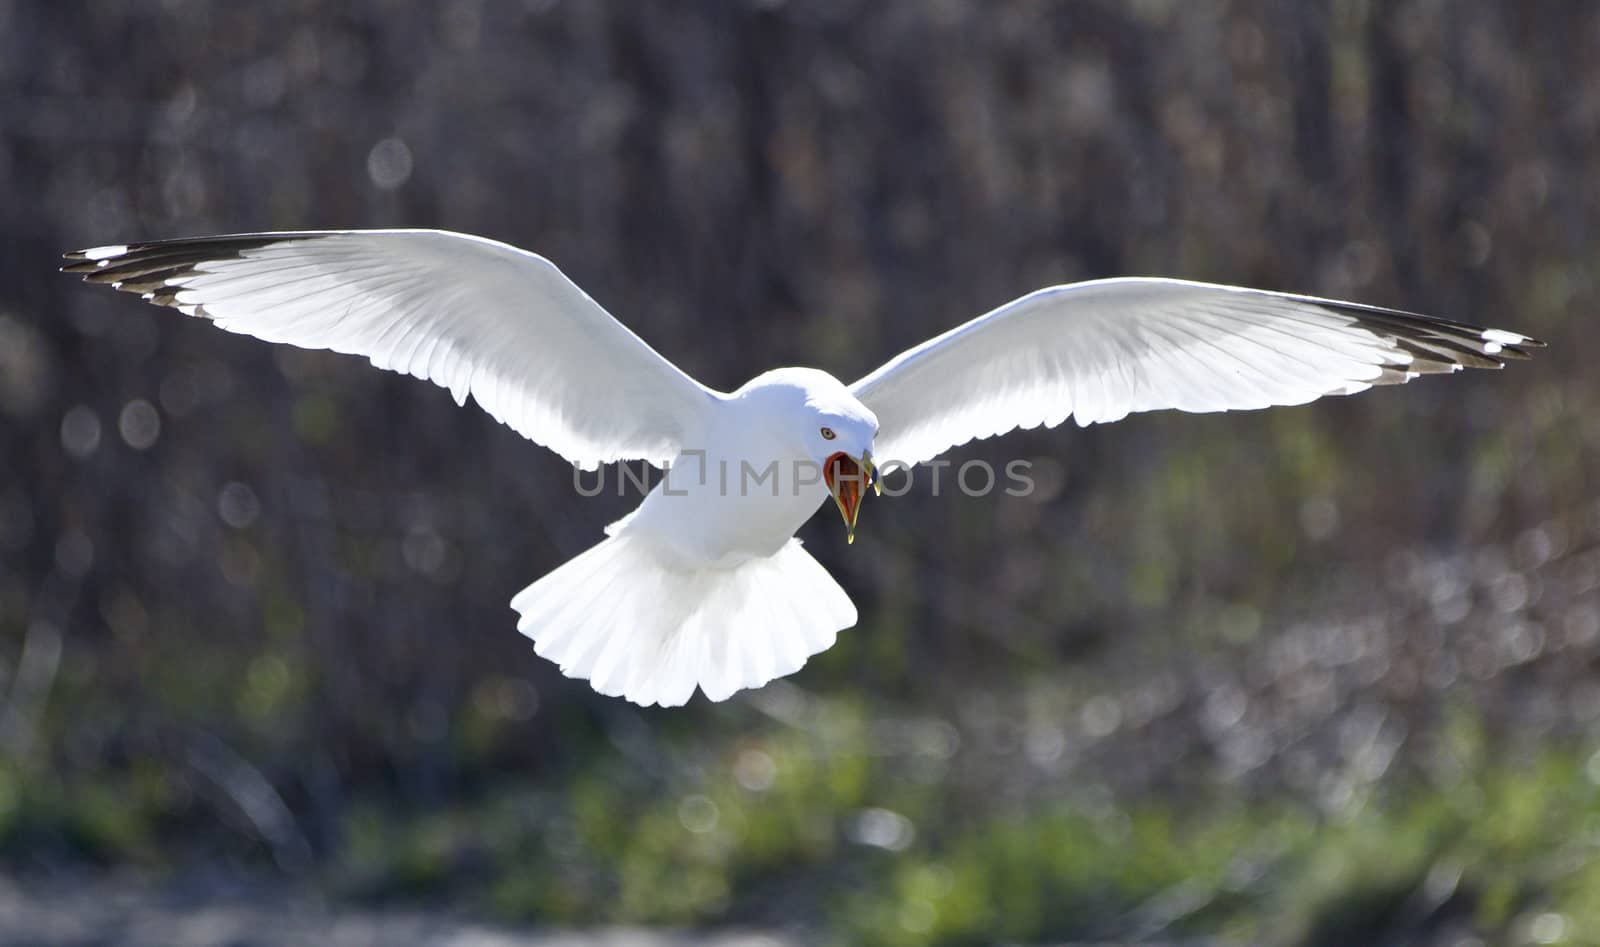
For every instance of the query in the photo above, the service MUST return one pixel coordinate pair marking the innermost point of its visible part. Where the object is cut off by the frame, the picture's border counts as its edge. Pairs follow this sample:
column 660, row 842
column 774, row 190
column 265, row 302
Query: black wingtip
column 152, row 270
column 77, row 261
column 1440, row 342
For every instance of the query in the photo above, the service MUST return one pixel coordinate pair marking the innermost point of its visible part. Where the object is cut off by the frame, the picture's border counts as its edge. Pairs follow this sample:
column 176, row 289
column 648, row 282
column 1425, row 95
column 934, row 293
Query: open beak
column 847, row 479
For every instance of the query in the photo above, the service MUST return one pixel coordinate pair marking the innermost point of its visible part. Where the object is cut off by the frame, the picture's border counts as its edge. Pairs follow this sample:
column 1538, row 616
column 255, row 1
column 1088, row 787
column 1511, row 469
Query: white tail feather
column 635, row 624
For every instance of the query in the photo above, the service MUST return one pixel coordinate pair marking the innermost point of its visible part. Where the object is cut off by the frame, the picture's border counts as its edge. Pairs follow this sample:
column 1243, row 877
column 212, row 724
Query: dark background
column 1313, row 675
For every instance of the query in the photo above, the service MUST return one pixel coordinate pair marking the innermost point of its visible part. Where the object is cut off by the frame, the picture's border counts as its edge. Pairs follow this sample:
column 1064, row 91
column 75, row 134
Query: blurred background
column 1312, row 676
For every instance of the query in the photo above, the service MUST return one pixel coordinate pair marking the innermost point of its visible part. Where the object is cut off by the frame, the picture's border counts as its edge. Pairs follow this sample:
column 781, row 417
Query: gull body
column 758, row 475
column 704, row 586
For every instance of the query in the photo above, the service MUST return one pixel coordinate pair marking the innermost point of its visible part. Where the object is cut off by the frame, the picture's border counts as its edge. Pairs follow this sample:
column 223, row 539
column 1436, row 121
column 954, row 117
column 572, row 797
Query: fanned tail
column 635, row 624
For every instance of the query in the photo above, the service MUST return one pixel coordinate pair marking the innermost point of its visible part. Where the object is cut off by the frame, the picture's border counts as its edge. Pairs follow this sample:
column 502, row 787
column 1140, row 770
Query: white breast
column 741, row 496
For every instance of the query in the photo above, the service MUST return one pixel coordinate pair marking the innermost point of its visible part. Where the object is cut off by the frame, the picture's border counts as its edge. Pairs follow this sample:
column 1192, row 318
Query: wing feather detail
column 1100, row 350
column 475, row 316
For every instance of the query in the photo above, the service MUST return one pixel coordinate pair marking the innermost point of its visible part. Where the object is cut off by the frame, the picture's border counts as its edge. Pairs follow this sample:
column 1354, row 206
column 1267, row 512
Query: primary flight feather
column 704, row 585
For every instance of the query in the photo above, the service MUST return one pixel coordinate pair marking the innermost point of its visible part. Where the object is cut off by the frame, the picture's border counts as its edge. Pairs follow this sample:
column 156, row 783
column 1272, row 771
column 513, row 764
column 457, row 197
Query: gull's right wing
column 472, row 315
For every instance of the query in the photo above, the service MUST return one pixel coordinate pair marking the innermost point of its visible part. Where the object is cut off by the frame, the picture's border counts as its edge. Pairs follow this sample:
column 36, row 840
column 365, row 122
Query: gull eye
column 827, row 434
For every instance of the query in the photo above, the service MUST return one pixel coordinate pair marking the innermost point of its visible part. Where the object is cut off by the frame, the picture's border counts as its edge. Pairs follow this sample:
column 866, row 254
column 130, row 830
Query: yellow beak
column 847, row 478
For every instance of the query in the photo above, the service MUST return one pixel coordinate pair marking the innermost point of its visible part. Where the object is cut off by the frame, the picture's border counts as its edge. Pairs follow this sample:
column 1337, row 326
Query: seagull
column 704, row 584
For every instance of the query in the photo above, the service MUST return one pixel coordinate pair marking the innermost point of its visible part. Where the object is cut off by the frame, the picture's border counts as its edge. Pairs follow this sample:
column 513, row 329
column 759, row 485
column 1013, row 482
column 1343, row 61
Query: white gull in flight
column 704, row 583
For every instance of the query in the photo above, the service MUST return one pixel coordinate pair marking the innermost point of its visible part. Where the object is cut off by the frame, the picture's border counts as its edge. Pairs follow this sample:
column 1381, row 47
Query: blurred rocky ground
column 103, row 913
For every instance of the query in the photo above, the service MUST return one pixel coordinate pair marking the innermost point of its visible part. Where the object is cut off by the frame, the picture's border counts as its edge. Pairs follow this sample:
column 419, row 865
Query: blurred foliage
column 1322, row 675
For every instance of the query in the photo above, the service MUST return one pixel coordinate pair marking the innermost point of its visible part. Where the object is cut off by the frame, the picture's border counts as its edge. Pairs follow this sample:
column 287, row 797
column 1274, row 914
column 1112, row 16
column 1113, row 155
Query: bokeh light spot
column 389, row 163
column 237, row 505
column 80, row 431
column 139, row 424
column 698, row 814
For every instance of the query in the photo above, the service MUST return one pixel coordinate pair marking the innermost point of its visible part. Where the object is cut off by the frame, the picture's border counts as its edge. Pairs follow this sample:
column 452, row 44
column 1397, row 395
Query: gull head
column 826, row 425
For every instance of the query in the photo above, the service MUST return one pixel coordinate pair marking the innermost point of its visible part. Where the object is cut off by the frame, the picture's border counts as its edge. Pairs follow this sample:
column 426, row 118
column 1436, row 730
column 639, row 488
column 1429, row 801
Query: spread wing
column 478, row 317
column 1100, row 350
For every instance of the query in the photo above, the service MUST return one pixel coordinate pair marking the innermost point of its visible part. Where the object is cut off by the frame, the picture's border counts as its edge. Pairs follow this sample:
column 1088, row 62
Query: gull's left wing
column 1100, row 350
column 476, row 316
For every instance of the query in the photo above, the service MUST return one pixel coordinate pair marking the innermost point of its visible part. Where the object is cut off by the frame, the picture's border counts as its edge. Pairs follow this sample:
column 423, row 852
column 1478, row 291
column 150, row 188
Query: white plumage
column 704, row 585
column 472, row 315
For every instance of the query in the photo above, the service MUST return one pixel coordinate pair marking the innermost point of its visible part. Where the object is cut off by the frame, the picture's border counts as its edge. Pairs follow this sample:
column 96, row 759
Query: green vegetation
column 847, row 833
